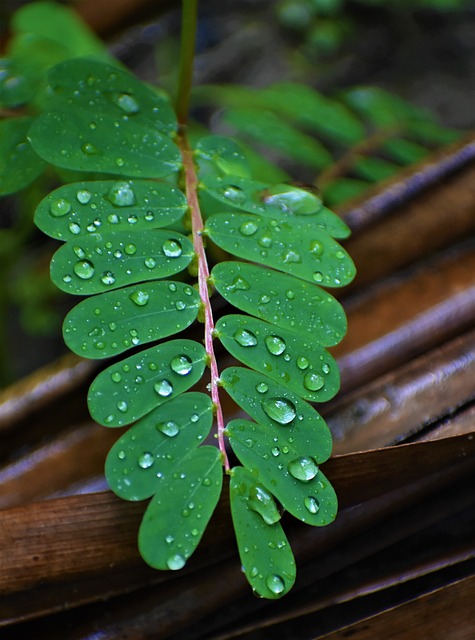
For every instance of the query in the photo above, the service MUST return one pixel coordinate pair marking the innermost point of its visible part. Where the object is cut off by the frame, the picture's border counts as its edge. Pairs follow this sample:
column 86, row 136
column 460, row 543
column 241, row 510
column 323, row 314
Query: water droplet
column 84, row 269
column 169, row 538
column 275, row 345
column 176, row 562
column 275, row 584
column 262, row 387
column 67, row 278
column 234, row 193
column 116, row 377
column 262, row 503
column 80, row 253
column 113, row 218
column 180, row 305
column 264, row 299
column 121, row 194
column 122, row 406
column 140, row 298
column 245, row 338
column 127, row 103
column 84, row 196
column 275, row 452
column 121, row 455
column 172, row 249
column 290, row 295
column 181, row 365
column 172, row 286
column 303, row 469
column 326, row 368
column 118, row 254
column 163, row 388
column 169, row 428
column 312, row 504
column 248, row 228
column 313, row 381
column 316, row 247
column 340, row 254
column 108, row 278
column 303, row 363
column 130, row 249
column 59, row 207
column 292, row 256
column 150, row 263
column 194, row 417
column 279, row 409
column 120, row 162
column 240, row 283
column 74, row 228
column 265, row 241
column 318, row 276
column 146, row 460
column 89, row 149
column 149, row 216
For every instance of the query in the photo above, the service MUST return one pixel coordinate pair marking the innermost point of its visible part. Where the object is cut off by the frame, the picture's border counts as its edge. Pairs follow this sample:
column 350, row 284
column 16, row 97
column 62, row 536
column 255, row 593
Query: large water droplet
column 172, row 249
column 163, row 388
column 146, row 460
column 116, row 377
column 59, row 207
column 313, row 381
column 127, row 103
column 292, row 256
column 84, row 196
column 280, row 410
column 140, row 298
column 316, row 247
column 84, row 269
column 275, row 345
column 318, row 276
column 311, row 504
column 122, row 406
column 169, row 428
column 245, row 338
column 130, row 249
column 150, row 263
column 74, row 228
column 240, row 283
column 108, row 278
column 121, row 194
column 326, row 368
column 303, row 469
column 248, row 228
column 262, row 503
column 181, row 365
column 234, row 193
column 176, row 562
column 275, row 584
column 302, row 363
column 262, row 387
column 265, row 241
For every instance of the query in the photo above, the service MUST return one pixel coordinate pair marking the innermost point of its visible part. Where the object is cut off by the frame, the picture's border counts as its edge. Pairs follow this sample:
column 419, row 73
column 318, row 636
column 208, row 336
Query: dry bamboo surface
column 407, row 376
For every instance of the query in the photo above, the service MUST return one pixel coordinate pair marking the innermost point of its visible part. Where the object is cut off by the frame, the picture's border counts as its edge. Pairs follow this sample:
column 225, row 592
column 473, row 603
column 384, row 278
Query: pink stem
column 191, row 182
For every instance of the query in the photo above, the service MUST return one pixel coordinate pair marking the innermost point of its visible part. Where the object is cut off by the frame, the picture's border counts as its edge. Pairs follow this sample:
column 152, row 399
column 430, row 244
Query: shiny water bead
column 84, row 196
column 127, row 103
column 248, row 228
column 181, row 365
column 312, row 504
column 262, row 503
column 169, row 428
column 262, row 387
column 245, row 338
column 84, row 269
column 121, row 194
column 163, row 388
column 313, row 381
column 275, row 584
column 146, row 460
column 234, row 193
column 275, row 345
column 303, row 469
column 172, row 249
column 176, row 562
column 280, row 410
column 140, row 298
column 59, row 207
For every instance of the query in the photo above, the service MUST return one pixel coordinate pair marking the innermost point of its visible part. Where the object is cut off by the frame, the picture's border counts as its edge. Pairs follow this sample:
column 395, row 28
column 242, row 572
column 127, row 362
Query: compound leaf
column 284, row 243
column 101, row 262
column 156, row 444
column 83, row 208
column 177, row 516
column 128, row 390
column 265, row 553
column 293, row 359
column 282, row 300
column 107, row 325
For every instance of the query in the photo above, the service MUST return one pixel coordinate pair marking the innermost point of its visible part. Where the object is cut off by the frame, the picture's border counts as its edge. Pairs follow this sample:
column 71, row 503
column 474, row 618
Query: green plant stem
column 187, row 53
column 191, row 182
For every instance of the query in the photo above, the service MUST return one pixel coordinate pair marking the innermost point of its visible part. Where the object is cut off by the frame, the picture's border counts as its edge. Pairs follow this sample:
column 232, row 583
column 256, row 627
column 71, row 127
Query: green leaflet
column 19, row 164
column 107, row 325
column 83, row 208
column 286, row 244
column 168, row 433
column 179, row 513
column 294, row 360
column 282, row 300
column 223, row 155
column 126, row 391
column 98, row 263
column 266, row 556
column 103, row 119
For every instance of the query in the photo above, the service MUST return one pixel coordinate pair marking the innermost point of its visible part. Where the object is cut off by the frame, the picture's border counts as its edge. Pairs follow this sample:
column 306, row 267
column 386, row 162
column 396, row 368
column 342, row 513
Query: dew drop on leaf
column 121, row 194
column 240, row 283
column 180, row 305
column 169, row 428
column 234, row 193
column 292, row 256
column 262, row 503
column 113, row 218
column 311, row 504
column 172, row 249
column 84, row 269
column 262, row 387
column 121, row 455
column 303, row 363
column 60, row 207
column 245, row 338
column 326, row 368
column 130, row 249
column 317, row 276
column 313, row 381
column 275, row 584
column 80, row 253
column 146, row 460
column 120, row 162
column 275, row 345
column 316, row 247
column 248, row 228
column 280, row 410
column 122, row 406
column 140, row 298
column 176, row 562
column 265, row 241
column 89, row 149
column 194, row 417
column 303, row 469
column 275, row 452
column 150, row 263
column 163, row 388
column 108, row 277
column 127, row 103
column 84, row 196
column 264, row 299
column 181, row 365
column 74, row 228
column 116, row 377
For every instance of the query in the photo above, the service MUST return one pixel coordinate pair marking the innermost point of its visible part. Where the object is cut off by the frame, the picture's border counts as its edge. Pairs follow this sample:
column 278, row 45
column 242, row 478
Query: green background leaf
column 19, row 164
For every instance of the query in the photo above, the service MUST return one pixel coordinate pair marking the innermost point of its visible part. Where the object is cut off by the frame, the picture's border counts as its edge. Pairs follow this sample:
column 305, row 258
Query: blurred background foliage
column 337, row 94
